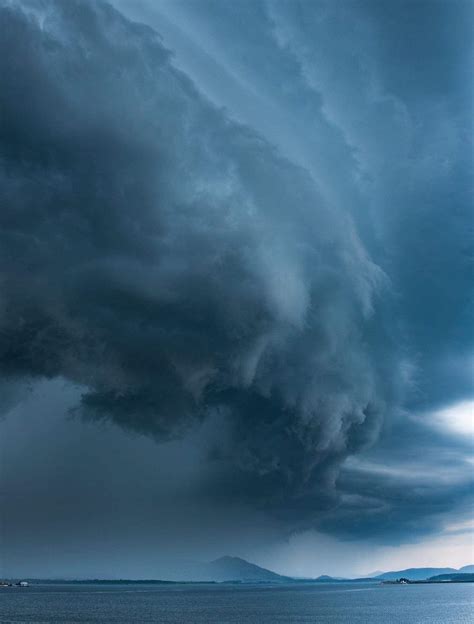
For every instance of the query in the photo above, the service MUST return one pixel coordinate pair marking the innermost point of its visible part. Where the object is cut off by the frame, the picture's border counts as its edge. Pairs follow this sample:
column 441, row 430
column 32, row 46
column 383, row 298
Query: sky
column 235, row 286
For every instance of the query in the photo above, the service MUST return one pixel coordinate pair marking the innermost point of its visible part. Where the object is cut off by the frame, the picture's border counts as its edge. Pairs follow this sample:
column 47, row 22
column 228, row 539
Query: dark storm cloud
column 375, row 100
column 177, row 267
column 171, row 261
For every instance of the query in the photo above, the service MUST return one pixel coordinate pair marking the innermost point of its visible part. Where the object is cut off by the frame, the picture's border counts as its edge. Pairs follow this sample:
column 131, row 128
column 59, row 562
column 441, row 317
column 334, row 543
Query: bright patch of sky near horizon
column 457, row 419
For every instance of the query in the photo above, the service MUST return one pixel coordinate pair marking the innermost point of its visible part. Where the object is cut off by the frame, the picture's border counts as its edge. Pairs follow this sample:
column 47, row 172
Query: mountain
column 224, row 569
column 415, row 574
column 469, row 569
column 237, row 569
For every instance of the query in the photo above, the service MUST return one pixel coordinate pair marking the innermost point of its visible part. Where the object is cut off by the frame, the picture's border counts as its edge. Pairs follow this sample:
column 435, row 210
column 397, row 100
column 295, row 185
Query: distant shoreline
column 239, row 582
column 428, row 582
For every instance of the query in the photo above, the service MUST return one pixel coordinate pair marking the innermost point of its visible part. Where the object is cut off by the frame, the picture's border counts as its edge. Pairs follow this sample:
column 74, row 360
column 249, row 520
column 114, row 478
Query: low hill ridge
column 458, row 576
column 422, row 574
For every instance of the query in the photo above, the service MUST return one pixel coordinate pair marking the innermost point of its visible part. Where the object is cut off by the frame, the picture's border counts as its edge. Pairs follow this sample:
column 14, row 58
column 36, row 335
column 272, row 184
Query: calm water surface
column 188, row 604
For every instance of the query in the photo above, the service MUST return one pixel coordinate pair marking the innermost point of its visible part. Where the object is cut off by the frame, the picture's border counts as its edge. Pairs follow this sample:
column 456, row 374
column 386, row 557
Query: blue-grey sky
column 236, row 285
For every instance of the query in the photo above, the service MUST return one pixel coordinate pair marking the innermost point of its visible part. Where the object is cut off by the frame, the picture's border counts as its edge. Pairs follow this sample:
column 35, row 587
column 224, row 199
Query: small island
column 439, row 578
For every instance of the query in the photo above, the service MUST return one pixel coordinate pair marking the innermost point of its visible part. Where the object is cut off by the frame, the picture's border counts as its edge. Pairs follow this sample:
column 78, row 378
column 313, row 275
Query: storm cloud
column 178, row 266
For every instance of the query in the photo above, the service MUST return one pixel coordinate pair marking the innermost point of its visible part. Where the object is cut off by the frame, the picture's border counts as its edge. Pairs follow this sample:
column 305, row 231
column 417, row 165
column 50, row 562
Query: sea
column 348, row 603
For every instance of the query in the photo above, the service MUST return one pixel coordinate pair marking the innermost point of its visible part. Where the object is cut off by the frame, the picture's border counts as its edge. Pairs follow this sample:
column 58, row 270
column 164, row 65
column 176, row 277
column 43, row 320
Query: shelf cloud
column 187, row 268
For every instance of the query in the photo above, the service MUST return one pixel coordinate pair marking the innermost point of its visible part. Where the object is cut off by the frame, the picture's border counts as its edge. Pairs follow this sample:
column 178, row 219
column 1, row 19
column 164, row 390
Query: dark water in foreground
column 198, row 604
